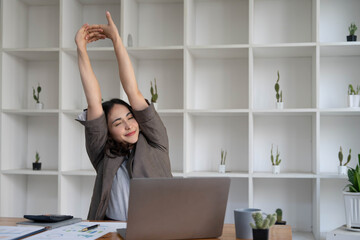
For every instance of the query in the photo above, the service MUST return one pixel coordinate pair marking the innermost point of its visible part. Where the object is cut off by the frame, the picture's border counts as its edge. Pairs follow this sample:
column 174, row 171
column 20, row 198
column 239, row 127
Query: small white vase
column 279, row 105
column 276, row 169
column 342, row 170
column 39, row 106
column 353, row 101
column 222, row 168
column 155, row 106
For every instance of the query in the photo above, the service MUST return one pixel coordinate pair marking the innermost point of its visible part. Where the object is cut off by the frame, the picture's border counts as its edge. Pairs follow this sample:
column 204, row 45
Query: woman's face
column 122, row 125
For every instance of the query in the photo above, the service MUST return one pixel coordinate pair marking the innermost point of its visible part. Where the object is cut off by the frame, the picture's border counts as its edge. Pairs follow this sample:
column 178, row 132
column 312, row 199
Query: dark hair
column 112, row 147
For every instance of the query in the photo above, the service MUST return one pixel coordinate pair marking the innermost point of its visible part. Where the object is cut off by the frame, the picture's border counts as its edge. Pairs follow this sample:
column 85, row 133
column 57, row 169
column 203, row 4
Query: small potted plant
column 279, row 100
column 37, row 164
column 36, row 96
column 352, row 197
column 342, row 168
column 275, row 162
column 353, row 96
column 223, row 161
column 261, row 227
column 279, row 220
column 154, row 95
column 352, row 30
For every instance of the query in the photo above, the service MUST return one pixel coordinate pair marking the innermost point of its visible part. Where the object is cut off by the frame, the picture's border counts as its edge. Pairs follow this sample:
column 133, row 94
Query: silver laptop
column 176, row 208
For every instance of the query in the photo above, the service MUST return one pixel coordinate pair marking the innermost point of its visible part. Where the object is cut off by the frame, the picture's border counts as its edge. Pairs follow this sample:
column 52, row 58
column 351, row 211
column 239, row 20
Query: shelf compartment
column 335, row 18
column 29, row 194
column 217, row 80
column 273, row 21
column 293, row 196
column 74, row 155
column 33, row 113
column 175, row 130
column 76, row 193
column 167, row 67
column 106, row 71
column 340, row 49
column 79, row 12
column 207, row 135
column 336, row 73
column 36, row 24
column 154, row 23
column 23, row 70
column 22, row 136
column 217, row 22
column 295, row 144
column 336, row 131
column 297, row 77
column 331, row 189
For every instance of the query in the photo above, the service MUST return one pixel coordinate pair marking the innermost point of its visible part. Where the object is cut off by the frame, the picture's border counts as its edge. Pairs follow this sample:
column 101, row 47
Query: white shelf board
column 79, row 173
column 30, row 172
column 283, row 175
column 178, row 174
column 159, row 1
column 41, row 2
column 95, row 53
column 217, row 174
column 332, row 175
column 98, row 2
column 286, row 50
column 176, row 52
column 219, row 112
column 32, row 112
column 340, row 49
column 340, row 111
column 285, row 112
column 34, row 54
column 170, row 112
column 220, row 51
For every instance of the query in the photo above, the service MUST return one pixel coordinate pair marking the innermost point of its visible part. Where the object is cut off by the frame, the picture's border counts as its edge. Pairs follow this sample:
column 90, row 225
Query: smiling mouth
column 130, row 134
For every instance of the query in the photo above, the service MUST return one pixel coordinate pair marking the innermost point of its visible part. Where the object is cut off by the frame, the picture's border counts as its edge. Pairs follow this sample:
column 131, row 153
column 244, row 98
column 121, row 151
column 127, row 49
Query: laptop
column 176, row 208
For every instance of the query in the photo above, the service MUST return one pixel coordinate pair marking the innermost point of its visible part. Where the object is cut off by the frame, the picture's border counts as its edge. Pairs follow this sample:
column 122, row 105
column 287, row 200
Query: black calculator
column 49, row 218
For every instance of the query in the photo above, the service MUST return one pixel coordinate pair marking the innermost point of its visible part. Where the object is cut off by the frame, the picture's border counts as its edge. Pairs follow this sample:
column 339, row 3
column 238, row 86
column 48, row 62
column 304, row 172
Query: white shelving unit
column 216, row 64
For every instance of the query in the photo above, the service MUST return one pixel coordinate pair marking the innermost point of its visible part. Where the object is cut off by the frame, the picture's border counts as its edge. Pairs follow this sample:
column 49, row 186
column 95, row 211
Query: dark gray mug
column 243, row 218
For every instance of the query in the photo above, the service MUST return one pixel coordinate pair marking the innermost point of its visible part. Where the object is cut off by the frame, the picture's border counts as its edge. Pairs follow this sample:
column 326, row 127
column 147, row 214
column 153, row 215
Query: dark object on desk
column 260, row 234
column 51, row 225
column 176, row 208
column 49, row 218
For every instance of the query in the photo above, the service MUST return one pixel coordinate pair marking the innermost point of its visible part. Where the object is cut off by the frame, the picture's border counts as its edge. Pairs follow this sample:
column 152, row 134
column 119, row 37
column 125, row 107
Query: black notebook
column 51, row 225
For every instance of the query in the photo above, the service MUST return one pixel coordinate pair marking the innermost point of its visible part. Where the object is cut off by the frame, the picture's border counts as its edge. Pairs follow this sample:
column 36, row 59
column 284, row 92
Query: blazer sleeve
column 96, row 134
column 152, row 127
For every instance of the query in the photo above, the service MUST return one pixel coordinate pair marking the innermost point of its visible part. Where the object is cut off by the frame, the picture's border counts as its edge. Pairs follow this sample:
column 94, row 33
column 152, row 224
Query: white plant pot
column 155, row 106
column 352, row 206
column 276, row 169
column 353, row 101
column 279, row 105
column 39, row 106
column 342, row 170
column 222, row 168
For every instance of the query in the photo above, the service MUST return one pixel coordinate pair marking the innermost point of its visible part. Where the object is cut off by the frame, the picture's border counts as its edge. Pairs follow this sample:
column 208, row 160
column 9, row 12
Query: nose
column 127, row 125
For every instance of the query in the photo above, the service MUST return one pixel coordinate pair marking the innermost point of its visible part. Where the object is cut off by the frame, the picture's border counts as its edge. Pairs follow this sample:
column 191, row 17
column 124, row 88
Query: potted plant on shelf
column 154, row 95
column 342, row 168
column 223, row 161
column 279, row 220
column 353, row 96
column 261, row 227
column 37, row 164
column 352, row 30
column 352, row 197
column 39, row 105
column 279, row 101
column 275, row 162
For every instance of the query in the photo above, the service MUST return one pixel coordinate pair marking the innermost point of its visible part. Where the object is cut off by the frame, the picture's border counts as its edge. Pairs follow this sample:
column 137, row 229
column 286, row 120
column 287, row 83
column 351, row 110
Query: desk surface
column 228, row 233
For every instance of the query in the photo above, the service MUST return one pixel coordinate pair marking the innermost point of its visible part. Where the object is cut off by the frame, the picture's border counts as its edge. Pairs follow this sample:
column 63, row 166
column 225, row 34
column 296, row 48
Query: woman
column 122, row 141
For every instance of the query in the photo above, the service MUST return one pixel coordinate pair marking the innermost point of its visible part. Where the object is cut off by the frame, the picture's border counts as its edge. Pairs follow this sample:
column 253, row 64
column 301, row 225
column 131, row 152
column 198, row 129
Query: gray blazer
column 150, row 158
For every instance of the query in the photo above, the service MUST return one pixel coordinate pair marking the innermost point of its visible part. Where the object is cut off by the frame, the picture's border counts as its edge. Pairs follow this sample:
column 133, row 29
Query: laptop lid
column 176, row 208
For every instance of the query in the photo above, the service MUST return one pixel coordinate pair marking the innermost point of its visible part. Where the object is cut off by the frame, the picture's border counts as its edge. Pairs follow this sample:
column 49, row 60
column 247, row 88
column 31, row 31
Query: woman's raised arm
column 126, row 71
column 85, row 35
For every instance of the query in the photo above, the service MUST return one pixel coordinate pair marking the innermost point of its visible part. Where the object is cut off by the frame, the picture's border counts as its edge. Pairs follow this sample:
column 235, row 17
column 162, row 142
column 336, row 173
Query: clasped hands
column 91, row 33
